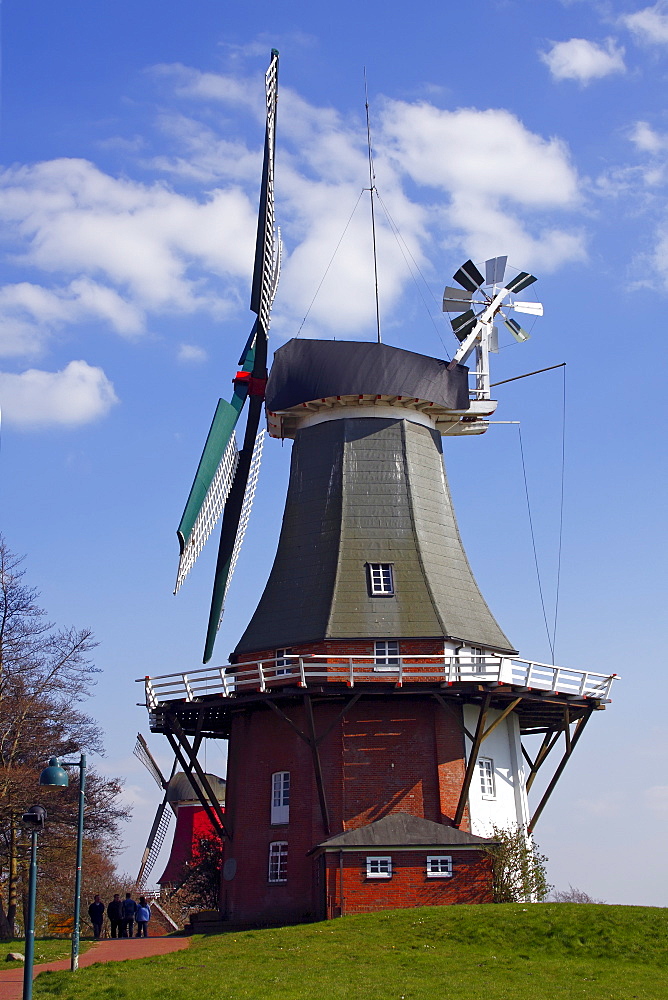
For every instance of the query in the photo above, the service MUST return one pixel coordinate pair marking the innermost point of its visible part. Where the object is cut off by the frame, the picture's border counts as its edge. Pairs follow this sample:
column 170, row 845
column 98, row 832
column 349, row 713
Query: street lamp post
column 34, row 821
column 56, row 775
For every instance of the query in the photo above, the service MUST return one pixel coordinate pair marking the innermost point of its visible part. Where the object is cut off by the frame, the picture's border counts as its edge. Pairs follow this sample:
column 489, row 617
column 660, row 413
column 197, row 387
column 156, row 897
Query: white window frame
column 439, row 866
column 284, row 660
column 379, row 866
column 278, row 862
column 478, row 659
column 487, row 777
column 386, row 654
column 381, row 579
column 280, row 798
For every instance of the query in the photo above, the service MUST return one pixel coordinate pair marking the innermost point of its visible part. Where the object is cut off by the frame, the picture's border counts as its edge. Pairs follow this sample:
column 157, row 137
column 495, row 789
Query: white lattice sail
column 210, row 511
column 246, row 506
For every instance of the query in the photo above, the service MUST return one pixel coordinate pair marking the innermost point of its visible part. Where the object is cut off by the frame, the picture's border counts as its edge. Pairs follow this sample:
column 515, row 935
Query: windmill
column 181, row 799
column 163, row 815
column 226, row 476
column 377, row 714
column 479, row 301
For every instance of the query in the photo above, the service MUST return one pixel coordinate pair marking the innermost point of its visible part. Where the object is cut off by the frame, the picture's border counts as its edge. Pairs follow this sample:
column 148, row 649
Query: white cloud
column 656, row 799
column 29, row 313
column 145, row 239
column 496, row 172
column 646, row 140
column 649, row 24
column 74, row 396
column 120, row 251
column 191, row 354
column 584, row 61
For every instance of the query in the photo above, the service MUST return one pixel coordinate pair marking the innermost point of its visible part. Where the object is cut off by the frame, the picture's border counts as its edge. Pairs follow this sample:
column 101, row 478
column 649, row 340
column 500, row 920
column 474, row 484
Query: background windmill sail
column 226, row 476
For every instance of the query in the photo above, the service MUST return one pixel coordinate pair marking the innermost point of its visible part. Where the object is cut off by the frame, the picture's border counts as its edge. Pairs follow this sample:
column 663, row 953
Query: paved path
column 119, row 950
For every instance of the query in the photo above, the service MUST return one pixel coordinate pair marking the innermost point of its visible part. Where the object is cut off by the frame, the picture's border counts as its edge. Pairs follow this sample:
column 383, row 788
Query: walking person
column 115, row 914
column 96, row 914
column 129, row 910
column 142, row 917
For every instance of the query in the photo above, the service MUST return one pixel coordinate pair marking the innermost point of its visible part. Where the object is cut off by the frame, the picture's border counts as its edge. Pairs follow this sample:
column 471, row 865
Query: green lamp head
column 54, row 774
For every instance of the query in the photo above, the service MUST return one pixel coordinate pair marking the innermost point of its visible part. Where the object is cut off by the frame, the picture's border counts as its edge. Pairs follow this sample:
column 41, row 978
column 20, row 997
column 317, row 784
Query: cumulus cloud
column 145, row 239
column 496, row 172
column 649, row 25
column 29, row 312
column 120, row 252
column 74, row 396
column 647, row 140
column 584, row 61
column 191, row 354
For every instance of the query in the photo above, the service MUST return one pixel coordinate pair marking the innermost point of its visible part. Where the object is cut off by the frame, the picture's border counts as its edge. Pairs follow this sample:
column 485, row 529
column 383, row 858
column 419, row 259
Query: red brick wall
column 471, row 881
column 388, row 754
column 346, row 647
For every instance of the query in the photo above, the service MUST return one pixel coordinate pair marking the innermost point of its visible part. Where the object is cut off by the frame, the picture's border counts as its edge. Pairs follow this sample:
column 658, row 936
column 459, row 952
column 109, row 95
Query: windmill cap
column 308, row 370
column 180, row 788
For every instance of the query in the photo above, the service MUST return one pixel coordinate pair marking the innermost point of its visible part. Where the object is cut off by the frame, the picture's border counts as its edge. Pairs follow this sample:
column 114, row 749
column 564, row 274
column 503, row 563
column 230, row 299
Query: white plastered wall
column 509, row 807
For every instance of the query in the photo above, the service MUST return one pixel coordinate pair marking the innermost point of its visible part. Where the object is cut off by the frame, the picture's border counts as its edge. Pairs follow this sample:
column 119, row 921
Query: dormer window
column 380, row 579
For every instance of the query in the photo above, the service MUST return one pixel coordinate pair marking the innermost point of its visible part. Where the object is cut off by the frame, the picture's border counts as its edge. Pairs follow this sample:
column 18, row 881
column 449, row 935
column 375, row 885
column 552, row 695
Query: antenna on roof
column 372, row 188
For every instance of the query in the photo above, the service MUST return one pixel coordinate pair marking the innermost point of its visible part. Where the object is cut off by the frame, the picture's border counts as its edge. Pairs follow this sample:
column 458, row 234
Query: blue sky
column 131, row 139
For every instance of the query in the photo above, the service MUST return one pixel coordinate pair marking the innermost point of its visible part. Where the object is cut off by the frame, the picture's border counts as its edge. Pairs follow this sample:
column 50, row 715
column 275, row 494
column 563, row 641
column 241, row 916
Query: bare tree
column 45, row 673
column 572, row 895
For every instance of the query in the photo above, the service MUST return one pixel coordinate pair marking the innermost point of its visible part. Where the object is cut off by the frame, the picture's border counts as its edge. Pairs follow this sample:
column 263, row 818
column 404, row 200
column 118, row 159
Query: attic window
column 380, row 579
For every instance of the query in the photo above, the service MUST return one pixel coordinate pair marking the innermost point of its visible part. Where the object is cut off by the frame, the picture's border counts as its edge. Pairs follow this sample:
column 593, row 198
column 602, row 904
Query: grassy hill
column 509, row 952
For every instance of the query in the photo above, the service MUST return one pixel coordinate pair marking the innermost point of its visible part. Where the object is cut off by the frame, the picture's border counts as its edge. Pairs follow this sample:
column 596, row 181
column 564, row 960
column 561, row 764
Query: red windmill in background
column 376, row 713
column 193, row 824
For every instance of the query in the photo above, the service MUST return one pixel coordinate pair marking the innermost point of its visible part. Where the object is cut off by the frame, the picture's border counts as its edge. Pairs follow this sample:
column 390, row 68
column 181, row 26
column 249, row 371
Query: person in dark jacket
column 115, row 914
column 142, row 917
column 96, row 914
column 129, row 910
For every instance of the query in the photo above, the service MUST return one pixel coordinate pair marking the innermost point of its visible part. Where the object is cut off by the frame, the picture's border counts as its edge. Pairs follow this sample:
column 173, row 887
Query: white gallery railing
column 263, row 675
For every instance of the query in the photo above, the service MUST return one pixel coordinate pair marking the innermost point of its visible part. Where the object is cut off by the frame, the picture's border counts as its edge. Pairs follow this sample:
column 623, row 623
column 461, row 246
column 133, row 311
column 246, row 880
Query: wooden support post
column 549, row 741
column 286, row 718
column 473, row 756
column 579, row 729
column 197, row 767
column 567, row 729
column 446, row 706
column 317, row 767
column 506, row 712
column 346, row 708
column 213, row 819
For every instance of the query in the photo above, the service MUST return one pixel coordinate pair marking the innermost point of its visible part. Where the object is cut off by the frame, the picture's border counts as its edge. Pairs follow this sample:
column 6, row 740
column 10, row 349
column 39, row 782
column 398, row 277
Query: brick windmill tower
column 374, row 708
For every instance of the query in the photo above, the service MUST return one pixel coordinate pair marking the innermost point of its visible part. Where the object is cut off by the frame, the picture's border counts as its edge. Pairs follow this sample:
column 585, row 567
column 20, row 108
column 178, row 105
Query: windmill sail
column 265, row 278
column 156, row 839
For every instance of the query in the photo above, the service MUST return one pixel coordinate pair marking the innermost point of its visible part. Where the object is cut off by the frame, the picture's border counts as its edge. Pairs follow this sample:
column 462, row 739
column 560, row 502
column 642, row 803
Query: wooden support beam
column 450, row 710
column 187, row 770
column 548, row 743
column 579, row 729
column 197, row 767
column 567, row 729
column 526, row 757
column 286, row 718
column 473, row 756
column 497, row 722
column 317, row 767
column 346, row 708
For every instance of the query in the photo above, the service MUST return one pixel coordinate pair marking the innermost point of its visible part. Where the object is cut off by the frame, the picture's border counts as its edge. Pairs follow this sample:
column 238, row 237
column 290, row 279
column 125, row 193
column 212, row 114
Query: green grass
column 46, row 950
column 513, row 952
